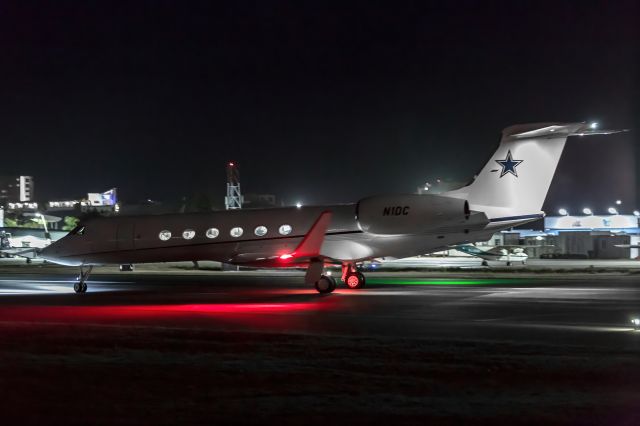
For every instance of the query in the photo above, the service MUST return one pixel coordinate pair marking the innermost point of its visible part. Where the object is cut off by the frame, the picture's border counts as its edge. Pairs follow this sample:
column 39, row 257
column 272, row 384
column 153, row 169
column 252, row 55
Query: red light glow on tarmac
column 253, row 313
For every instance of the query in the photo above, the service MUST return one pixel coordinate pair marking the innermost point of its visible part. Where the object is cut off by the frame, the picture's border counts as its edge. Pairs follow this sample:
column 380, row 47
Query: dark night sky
column 324, row 102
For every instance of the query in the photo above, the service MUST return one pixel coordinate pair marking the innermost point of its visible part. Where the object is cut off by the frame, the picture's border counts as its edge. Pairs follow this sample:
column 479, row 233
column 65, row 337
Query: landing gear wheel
column 325, row 284
column 355, row 280
column 485, row 263
column 80, row 286
column 508, row 263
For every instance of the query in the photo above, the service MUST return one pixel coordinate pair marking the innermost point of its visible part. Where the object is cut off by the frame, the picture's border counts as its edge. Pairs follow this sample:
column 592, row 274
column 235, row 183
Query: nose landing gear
column 80, row 286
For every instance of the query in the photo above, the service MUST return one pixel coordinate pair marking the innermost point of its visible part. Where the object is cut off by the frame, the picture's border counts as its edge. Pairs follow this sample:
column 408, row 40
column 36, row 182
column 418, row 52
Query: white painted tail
column 516, row 179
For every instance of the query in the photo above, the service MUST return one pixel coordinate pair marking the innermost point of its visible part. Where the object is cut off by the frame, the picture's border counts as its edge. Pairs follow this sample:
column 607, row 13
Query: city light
column 593, row 125
column 618, row 202
column 298, row 204
column 612, row 210
column 636, row 323
column 587, row 211
column 563, row 212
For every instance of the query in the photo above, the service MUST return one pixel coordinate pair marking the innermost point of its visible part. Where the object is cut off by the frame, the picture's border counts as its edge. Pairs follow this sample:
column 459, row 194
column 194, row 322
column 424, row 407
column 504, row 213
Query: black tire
column 84, row 288
column 508, row 263
column 325, row 285
column 28, row 260
column 355, row 280
column 77, row 287
column 485, row 263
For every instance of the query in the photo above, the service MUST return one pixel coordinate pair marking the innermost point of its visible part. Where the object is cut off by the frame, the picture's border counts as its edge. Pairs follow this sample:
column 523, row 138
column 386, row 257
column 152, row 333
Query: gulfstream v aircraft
column 509, row 191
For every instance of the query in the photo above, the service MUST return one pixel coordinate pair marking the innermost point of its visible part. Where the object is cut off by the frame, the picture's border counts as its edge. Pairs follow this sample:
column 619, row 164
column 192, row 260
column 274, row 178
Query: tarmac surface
column 251, row 347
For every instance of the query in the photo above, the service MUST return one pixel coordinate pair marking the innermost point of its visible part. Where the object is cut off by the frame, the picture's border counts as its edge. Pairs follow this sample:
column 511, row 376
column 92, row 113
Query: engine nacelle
column 409, row 213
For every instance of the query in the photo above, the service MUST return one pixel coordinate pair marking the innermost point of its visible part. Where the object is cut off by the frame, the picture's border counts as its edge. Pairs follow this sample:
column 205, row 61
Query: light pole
column 44, row 223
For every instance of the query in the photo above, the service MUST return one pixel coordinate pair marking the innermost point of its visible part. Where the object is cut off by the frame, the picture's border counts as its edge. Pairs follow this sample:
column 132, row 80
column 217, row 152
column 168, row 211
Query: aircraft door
column 125, row 235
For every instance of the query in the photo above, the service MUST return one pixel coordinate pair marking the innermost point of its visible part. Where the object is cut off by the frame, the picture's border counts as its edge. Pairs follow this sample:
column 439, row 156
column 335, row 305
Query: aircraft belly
column 366, row 246
column 347, row 249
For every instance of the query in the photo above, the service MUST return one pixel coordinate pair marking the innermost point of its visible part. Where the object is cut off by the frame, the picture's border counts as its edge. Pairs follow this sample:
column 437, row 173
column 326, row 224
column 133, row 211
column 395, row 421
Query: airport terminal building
column 579, row 237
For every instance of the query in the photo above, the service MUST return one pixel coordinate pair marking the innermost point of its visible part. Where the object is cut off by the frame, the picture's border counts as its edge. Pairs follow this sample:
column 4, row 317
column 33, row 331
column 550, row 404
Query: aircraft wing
column 524, row 245
column 29, row 253
column 309, row 248
column 494, row 253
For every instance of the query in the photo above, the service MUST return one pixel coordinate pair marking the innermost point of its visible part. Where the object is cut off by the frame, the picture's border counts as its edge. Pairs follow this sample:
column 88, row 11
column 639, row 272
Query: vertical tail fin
column 516, row 179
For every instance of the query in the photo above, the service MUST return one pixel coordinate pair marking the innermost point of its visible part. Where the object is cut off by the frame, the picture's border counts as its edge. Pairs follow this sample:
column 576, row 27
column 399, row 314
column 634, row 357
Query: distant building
column 594, row 236
column 101, row 202
column 102, row 199
column 16, row 189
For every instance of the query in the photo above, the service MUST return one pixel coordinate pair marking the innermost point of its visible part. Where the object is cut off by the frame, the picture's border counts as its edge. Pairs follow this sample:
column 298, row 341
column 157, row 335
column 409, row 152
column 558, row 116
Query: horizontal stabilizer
column 547, row 130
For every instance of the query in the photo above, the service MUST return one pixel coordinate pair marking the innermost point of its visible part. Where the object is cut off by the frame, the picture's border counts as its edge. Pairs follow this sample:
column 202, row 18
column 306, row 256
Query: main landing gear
column 324, row 284
column 353, row 278
column 80, row 286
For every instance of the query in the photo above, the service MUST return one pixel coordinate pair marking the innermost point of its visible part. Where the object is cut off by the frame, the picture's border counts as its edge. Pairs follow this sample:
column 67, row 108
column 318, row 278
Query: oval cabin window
column 212, row 233
column 285, row 229
column 261, row 231
column 236, row 232
column 188, row 234
column 164, row 235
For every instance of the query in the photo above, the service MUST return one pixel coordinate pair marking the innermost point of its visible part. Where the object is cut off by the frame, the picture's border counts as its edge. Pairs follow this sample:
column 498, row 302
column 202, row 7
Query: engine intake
column 410, row 213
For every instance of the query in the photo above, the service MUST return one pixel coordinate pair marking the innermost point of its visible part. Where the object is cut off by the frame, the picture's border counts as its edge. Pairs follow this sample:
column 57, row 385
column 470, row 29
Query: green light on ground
column 410, row 281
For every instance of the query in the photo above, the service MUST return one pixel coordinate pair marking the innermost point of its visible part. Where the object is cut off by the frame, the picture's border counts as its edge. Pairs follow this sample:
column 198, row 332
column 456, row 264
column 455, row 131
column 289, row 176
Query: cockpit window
column 78, row 230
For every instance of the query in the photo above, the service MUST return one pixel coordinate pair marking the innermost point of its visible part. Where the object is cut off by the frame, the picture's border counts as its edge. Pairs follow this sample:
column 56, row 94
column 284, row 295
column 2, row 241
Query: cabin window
column 261, row 231
column 212, row 233
column 164, row 235
column 285, row 229
column 188, row 234
column 236, row 232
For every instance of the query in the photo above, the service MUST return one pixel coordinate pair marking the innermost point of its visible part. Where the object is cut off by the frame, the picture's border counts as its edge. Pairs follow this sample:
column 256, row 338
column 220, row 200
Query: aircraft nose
column 58, row 252
column 50, row 253
column 46, row 253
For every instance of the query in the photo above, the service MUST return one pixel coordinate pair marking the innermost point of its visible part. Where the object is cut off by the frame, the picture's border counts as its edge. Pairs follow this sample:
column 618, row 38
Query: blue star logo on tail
column 509, row 165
